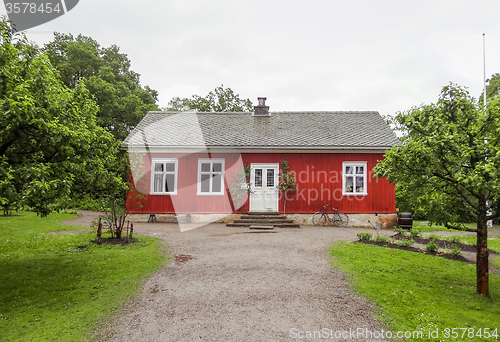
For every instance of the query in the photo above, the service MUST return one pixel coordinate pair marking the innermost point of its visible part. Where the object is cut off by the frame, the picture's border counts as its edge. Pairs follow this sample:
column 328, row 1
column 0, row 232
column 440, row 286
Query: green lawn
column 418, row 292
column 62, row 287
column 424, row 226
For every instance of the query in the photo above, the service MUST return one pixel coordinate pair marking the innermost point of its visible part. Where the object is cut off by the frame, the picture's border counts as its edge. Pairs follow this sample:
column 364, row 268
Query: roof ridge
column 276, row 112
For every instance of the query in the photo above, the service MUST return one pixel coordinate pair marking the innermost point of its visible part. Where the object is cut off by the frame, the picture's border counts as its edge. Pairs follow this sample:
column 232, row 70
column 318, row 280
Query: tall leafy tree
column 51, row 146
column 106, row 73
column 493, row 87
column 448, row 161
column 218, row 100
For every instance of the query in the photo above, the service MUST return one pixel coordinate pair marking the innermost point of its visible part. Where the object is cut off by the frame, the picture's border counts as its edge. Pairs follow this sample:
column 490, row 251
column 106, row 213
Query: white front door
column 264, row 185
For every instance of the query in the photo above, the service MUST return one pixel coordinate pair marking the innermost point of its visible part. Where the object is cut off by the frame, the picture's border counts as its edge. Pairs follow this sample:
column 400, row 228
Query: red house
column 186, row 164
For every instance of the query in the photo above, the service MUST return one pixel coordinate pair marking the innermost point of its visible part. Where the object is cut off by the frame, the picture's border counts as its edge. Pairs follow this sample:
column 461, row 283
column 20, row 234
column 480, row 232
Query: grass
column 418, row 292
column 59, row 287
column 425, row 226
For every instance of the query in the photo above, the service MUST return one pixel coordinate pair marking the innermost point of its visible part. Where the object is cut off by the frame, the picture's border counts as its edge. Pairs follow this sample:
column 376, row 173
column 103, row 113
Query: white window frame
column 345, row 175
column 153, row 172
column 211, row 161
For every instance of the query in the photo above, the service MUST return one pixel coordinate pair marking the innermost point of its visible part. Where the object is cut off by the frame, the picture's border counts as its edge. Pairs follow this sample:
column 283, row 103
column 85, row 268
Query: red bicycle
column 339, row 219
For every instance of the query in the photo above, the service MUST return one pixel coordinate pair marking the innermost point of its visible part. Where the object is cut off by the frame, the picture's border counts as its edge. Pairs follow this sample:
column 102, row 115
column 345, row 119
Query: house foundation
column 384, row 221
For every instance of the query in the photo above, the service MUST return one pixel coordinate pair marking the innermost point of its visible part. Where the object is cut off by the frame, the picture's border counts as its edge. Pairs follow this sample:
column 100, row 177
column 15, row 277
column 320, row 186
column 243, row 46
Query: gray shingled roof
column 304, row 130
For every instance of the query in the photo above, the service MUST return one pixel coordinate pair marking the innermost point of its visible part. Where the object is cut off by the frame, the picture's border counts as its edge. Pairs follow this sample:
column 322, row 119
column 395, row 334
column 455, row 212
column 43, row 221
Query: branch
column 491, row 217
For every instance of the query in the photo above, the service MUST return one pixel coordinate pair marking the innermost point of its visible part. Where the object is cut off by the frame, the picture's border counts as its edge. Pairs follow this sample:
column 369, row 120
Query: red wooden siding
column 319, row 180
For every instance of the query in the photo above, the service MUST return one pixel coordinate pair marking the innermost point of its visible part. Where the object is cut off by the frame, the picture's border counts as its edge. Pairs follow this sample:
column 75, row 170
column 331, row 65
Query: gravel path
column 234, row 284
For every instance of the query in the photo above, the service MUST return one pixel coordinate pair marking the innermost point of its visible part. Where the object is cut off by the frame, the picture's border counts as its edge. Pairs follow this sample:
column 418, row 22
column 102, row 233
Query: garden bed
column 115, row 241
column 441, row 243
column 421, row 250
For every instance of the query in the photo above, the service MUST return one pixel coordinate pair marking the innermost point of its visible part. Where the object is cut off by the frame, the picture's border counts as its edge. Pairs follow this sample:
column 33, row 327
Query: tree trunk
column 482, row 286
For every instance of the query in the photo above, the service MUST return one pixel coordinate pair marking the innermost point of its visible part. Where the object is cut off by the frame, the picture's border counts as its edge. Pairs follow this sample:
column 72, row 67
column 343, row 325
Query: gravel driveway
column 235, row 284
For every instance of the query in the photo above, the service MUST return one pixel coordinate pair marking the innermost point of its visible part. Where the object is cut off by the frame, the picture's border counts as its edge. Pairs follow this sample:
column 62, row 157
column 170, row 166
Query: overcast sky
column 302, row 55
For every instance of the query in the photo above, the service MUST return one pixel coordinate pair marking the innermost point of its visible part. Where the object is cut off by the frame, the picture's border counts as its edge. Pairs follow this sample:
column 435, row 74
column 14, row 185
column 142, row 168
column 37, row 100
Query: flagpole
column 484, row 71
column 489, row 223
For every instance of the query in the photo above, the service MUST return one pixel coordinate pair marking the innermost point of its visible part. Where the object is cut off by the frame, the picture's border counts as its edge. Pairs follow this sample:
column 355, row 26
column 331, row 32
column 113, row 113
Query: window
column 354, row 178
column 258, row 178
column 270, row 178
column 210, row 176
column 164, row 176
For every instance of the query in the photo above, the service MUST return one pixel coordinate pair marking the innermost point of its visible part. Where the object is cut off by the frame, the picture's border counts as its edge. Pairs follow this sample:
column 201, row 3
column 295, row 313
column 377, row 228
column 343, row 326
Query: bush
column 432, row 247
column 415, row 233
column 85, row 203
column 454, row 239
column 399, row 230
column 433, row 237
column 380, row 238
column 456, row 251
column 364, row 236
column 406, row 242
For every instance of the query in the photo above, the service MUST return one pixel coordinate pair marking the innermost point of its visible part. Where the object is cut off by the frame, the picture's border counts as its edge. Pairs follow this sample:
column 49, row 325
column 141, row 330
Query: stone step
column 262, row 213
column 260, row 217
column 263, row 221
column 261, row 227
column 275, row 225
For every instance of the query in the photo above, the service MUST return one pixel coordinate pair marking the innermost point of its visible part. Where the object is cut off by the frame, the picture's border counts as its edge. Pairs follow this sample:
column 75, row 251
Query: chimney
column 261, row 109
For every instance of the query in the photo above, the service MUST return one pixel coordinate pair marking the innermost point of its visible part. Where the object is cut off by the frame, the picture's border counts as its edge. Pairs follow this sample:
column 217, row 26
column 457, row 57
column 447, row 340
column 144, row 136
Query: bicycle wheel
column 341, row 220
column 319, row 219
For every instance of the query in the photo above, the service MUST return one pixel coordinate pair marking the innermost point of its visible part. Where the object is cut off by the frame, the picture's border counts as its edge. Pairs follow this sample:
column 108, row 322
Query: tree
column 106, row 74
column 50, row 144
column 493, row 87
column 218, row 100
column 450, row 154
column 287, row 182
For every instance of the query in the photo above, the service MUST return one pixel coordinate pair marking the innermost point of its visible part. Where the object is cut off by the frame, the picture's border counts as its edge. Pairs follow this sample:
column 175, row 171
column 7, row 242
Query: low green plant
column 455, row 251
column 364, row 236
column 454, row 239
column 431, row 246
column 399, row 230
column 433, row 237
column 381, row 239
column 406, row 242
column 415, row 233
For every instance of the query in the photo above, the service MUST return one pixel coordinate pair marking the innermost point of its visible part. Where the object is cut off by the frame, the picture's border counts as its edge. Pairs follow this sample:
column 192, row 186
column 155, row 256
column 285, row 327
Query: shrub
column 431, row 246
column 406, row 242
column 415, row 232
column 399, row 230
column 364, row 236
column 456, row 251
column 433, row 237
column 380, row 238
column 454, row 239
